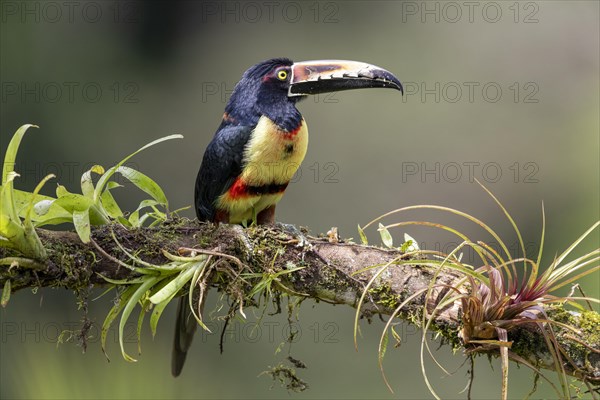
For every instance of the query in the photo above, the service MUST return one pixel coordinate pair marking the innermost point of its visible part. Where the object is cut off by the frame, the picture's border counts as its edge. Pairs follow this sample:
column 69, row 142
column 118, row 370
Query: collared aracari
column 259, row 145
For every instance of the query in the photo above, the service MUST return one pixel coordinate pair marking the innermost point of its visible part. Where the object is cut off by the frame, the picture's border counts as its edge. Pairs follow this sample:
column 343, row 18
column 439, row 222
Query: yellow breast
column 273, row 155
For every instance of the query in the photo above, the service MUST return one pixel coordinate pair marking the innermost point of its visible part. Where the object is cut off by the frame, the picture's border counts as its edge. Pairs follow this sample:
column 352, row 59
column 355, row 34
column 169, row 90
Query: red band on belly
column 240, row 190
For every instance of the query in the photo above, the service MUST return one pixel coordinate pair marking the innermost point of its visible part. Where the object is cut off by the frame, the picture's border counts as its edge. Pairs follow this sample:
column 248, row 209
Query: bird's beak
column 323, row 76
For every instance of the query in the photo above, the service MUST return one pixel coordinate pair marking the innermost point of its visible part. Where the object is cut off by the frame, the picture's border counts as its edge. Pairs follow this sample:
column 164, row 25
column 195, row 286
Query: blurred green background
column 504, row 92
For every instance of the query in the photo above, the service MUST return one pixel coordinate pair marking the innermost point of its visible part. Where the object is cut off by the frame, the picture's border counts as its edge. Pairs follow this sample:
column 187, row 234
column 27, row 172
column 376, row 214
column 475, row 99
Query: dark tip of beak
column 387, row 79
column 314, row 77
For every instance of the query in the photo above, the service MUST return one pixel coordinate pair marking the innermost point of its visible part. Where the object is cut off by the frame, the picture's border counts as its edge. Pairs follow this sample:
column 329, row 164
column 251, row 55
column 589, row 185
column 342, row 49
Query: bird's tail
column 185, row 327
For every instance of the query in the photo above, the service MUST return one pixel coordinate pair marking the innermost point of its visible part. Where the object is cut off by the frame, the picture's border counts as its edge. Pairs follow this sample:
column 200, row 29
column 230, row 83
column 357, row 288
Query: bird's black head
column 263, row 90
column 273, row 87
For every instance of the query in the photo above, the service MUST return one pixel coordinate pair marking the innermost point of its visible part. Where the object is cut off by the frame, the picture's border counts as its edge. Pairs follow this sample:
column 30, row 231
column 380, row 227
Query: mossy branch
column 334, row 272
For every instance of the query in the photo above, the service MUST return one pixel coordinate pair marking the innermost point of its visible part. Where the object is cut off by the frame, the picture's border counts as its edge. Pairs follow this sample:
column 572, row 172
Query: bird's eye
column 282, row 75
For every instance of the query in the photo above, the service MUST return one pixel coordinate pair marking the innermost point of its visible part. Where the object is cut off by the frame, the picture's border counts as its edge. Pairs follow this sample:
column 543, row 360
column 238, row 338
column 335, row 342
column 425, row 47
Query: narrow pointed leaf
column 31, row 204
column 414, row 245
column 175, row 285
column 72, row 202
column 157, row 312
column 109, row 203
column 113, row 314
column 44, row 207
column 140, row 323
column 5, row 293
column 11, row 151
column 107, row 175
column 386, row 237
column 8, row 213
column 363, row 237
column 144, row 183
column 81, row 220
column 131, row 303
column 134, row 218
column 87, row 185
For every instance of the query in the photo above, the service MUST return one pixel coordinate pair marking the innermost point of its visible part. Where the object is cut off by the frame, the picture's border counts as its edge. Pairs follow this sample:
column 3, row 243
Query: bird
column 258, row 147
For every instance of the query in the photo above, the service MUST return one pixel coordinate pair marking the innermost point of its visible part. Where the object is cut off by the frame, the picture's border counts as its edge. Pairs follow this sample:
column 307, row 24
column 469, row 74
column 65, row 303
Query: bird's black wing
column 221, row 165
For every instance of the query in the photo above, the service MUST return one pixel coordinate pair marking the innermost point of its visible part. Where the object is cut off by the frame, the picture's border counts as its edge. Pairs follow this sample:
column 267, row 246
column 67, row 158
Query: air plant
column 495, row 307
column 501, row 294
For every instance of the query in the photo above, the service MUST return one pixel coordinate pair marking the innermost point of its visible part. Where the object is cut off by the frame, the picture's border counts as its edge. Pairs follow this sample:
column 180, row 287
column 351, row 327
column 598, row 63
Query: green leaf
column 106, row 176
column 140, row 323
column 34, row 243
column 128, row 281
column 157, row 312
column 98, row 216
column 109, row 203
column 22, row 199
column 410, row 244
column 157, row 215
column 140, row 290
column 114, row 313
column 11, row 151
column 20, row 235
column 14, row 234
column 363, row 237
column 160, row 307
column 45, row 212
column 87, row 184
column 81, row 220
column 176, row 284
column 383, row 345
column 10, row 224
column 74, row 202
column 31, row 204
column 5, row 293
column 61, row 191
column 145, row 183
column 134, row 218
column 386, row 238
column 11, row 233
